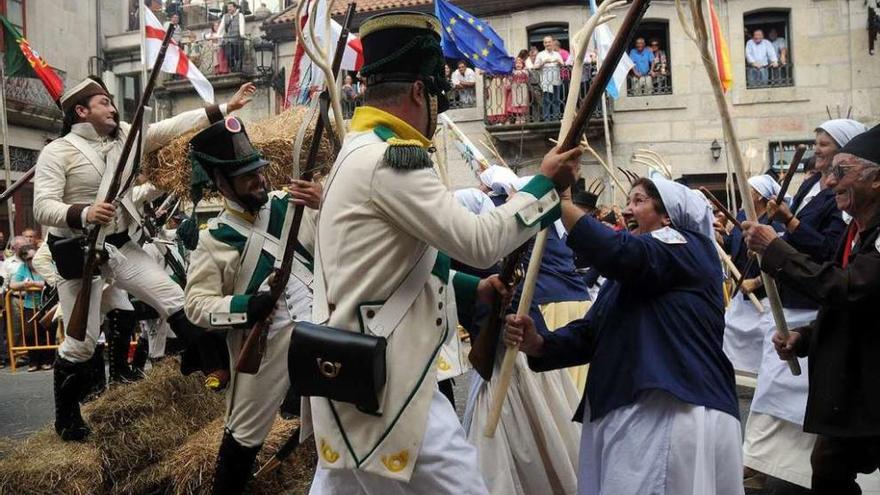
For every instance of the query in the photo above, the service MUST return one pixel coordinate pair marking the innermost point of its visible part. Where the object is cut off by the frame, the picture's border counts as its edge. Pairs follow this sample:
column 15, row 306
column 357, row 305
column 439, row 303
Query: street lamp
column 716, row 150
column 264, row 51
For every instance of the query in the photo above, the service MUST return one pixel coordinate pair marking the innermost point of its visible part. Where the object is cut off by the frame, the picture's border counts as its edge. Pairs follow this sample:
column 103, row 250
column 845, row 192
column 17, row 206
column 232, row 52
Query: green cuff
column 239, row 303
column 546, row 209
column 538, row 186
column 465, row 289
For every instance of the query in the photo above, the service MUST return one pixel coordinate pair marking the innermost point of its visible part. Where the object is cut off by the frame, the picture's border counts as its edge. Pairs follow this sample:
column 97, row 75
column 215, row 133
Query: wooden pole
column 701, row 39
column 568, row 140
column 737, row 275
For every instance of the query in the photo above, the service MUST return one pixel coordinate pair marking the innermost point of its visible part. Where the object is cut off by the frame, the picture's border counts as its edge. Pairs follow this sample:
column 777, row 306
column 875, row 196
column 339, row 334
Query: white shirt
column 549, row 62
column 469, row 76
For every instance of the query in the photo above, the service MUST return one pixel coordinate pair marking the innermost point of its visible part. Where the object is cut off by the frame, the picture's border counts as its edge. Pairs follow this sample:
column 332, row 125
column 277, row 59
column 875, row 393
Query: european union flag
column 465, row 36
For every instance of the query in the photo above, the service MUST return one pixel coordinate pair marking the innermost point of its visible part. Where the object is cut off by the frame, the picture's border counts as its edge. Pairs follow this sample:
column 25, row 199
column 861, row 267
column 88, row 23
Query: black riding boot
column 235, row 464
column 120, row 327
column 95, row 380
column 71, row 380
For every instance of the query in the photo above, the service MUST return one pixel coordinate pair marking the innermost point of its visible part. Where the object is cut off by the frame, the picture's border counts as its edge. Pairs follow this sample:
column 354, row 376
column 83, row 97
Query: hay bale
column 135, row 425
column 44, row 465
column 190, row 468
column 169, row 167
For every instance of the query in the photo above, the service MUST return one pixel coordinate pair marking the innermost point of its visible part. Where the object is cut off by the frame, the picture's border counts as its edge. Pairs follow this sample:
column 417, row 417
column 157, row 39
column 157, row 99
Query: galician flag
column 176, row 62
column 23, row 61
column 603, row 38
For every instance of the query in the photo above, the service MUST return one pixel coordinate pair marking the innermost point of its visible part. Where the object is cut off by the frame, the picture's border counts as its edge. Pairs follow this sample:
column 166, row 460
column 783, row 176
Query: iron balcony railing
column 769, row 77
column 532, row 96
column 649, row 85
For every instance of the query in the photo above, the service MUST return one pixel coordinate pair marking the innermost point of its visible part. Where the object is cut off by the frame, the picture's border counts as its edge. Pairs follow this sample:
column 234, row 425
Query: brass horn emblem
column 328, row 368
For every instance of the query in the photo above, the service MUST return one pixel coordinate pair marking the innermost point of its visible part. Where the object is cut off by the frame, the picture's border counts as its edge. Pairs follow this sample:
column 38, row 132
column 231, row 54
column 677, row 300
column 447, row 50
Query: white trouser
column 253, row 400
column 157, row 332
column 447, row 464
column 134, row 272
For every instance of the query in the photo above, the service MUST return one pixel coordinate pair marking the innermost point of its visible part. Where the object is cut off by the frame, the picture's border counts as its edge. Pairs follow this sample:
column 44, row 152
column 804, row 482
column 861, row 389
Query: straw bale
column 190, row 469
column 169, row 167
column 44, row 465
column 135, row 425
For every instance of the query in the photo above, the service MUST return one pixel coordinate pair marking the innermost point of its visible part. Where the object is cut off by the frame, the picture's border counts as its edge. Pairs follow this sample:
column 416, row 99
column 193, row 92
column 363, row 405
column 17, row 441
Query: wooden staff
column 792, row 167
column 569, row 133
column 700, row 37
column 737, row 276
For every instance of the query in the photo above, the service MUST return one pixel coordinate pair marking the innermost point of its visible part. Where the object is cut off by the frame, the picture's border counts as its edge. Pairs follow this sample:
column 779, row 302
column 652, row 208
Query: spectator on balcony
column 532, row 58
column 232, row 30
column 174, row 20
column 760, row 54
column 659, row 68
column 464, row 82
column 588, row 67
column 519, row 91
column 349, row 97
column 780, row 45
column 216, row 62
column 550, row 62
column 643, row 60
column 562, row 51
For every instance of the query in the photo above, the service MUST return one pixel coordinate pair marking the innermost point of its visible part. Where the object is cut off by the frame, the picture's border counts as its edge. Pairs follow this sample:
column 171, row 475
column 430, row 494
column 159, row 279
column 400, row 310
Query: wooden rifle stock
column 77, row 321
column 24, row 179
column 485, row 346
column 254, row 346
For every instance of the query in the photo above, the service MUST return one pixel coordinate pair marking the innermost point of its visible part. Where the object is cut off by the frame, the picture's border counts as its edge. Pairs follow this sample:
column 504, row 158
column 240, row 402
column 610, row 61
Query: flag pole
column 10, row 205
column 609, row 155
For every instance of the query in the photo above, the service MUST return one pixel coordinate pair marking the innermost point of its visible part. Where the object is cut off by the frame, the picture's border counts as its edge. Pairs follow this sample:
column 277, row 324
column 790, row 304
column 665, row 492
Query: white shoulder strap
column 87, row 151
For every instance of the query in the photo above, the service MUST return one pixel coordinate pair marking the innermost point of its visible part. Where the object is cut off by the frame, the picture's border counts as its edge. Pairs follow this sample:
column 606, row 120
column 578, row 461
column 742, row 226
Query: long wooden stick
column 701, row 39
column 569, row 131
column 477, row 161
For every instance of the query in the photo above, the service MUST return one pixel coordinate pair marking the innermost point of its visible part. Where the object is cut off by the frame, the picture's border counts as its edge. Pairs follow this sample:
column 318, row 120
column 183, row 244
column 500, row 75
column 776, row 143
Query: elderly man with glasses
column 843, row 344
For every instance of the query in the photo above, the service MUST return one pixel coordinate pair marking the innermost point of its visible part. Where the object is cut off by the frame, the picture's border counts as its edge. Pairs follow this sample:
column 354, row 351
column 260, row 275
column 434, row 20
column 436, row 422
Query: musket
column 151, row 225
column 792, row 167
column 77, row 321
column 24, row 179
column 255, row 344
column 572, row 136
column 485, row 346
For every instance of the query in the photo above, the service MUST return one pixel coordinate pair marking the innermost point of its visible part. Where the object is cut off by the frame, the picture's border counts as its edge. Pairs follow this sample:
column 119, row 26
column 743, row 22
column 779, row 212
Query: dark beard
column 253, row 202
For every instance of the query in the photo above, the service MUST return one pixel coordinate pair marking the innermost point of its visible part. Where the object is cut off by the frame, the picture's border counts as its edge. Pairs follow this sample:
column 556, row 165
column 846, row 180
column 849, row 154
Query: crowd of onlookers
column 25, row 288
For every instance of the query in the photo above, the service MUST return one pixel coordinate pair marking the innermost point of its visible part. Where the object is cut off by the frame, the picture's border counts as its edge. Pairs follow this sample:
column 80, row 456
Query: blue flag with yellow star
column 465, row 36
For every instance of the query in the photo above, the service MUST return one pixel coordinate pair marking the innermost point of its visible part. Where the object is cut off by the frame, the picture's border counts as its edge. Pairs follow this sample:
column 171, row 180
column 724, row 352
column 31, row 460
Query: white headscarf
column 474, row 200
column 842, row 130
column 686, row 208
column 765, row 185
column 499, row 179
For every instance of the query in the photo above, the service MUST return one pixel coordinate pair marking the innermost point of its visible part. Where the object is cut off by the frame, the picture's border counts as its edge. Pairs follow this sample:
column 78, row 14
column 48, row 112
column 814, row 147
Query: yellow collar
column 367, row 118
column 237, row 211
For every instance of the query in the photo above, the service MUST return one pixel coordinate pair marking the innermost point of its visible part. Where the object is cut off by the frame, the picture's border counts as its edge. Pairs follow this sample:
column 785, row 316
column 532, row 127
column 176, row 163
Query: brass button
column 441, row 289
column 370, row 313
column 540, row 209
column 440, row 306
column 439, row 321
column 331, row 307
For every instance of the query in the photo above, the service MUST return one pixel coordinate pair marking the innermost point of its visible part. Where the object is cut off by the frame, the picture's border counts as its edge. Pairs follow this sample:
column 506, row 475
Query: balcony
column 29, row 103
column 648, row 85
column 769, row 77
column 532, row 100
column 225, row 63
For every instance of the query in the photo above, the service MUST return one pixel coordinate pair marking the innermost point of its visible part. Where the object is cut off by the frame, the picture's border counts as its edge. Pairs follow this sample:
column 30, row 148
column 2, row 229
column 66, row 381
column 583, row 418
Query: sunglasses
column 840, row 171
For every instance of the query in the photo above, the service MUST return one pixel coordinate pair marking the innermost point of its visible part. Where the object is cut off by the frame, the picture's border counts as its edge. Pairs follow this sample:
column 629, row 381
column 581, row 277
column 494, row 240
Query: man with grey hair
column 843, row 408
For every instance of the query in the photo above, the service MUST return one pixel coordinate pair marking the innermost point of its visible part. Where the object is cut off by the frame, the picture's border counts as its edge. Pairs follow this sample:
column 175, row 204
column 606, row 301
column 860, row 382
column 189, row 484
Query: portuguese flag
column 23, row 61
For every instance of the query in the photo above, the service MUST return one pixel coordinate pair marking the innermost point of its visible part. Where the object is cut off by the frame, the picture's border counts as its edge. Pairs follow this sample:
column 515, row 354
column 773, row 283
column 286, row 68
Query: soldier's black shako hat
column 224, row 146
column 404, row 47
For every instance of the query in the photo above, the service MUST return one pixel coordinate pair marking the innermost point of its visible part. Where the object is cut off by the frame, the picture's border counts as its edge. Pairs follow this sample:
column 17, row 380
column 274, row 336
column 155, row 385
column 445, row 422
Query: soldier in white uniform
column 384, row 214
column 227, row 286
column 73, row 172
